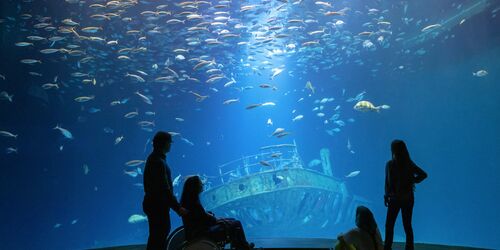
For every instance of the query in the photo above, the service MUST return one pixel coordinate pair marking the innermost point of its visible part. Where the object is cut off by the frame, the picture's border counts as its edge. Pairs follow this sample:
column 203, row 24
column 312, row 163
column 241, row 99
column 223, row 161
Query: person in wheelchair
column 198, row 223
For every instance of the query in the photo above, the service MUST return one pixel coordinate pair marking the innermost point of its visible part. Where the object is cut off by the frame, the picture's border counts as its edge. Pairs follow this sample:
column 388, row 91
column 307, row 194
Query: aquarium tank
column 286, row 109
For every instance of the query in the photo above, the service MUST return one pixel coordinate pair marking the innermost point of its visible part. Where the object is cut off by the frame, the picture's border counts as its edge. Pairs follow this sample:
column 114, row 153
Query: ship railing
column 270, row 158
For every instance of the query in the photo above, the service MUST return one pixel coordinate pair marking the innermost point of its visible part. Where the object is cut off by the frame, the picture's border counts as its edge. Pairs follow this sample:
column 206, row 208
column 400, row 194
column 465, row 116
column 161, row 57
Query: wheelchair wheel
column 202, row 244
column 176, row 239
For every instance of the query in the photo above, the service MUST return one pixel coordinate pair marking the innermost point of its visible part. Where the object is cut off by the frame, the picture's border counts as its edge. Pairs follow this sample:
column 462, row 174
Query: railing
column 270, row 158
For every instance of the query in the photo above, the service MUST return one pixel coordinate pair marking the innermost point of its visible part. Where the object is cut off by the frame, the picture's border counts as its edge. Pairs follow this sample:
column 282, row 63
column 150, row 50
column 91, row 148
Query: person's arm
column 378, row 239
column 171, row 200
column 419, row 175
column 387, row 184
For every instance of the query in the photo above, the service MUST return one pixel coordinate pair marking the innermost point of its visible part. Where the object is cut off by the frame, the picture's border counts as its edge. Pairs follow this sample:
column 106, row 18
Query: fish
column 213, row 79
column 91, row 29
column 79, row 74
column 278, row 131
column 85, row 169
column 30, row 61
column 84, row 98
column 118, row 139
column 23, row 44
column 252, row 106
column 135, row 77
column 66, row 133
column 310, row 87
column 36, row 38
column 230, row 101
column 199, row 98
column 268, row 104
column 47, row 86
column 112, row 42
column 204, row 63
column 324, row 4
column 298, row 118
column 358, row 97
column 134, row 163
column 70, row 22
column 480, row 73
column 280, row 135
column 353, row 174
column 10, row 150
column 276, row 72
column 365, row 106
column 269, row 122
column 49, row 51
column 8, row 134
column 349, row 146
column 276, row 155
column 131, row 114
column 176, row 180
column 5, row 96
column 187, row 141
column 228, row 84
column 431, row 27
column 144, row 98
column 137, row 218
column 131, row 173
column 265, row 163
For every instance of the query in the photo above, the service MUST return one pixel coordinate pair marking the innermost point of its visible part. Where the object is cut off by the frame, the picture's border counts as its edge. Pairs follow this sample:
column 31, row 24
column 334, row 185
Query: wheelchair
column 177, row 241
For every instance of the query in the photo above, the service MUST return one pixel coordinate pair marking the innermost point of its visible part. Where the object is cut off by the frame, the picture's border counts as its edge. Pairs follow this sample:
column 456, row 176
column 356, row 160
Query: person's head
column 191, row 190
column 162, row 141
column 399, row 151
column 365, row 219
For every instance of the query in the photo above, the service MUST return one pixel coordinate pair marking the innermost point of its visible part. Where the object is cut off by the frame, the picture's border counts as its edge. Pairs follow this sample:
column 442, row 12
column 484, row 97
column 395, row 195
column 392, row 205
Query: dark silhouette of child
column 365, row 235
column 401, row 174
column 198, row 223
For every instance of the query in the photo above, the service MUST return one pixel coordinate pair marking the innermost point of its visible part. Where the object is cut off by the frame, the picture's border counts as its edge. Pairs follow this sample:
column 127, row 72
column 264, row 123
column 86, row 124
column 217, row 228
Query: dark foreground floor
column 294, row 243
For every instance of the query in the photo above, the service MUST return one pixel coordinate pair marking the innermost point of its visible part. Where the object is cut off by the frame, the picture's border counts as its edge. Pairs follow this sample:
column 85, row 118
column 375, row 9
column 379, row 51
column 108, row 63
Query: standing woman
column 401, row 174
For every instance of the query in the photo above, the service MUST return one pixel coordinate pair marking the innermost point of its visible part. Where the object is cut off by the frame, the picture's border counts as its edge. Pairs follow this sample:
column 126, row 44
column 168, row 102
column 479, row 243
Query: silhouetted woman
column 401, row 174
column 198, row 223
column 365, row 236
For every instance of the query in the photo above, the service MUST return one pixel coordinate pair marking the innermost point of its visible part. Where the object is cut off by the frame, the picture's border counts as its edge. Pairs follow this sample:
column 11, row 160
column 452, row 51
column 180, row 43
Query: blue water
column 448, row 117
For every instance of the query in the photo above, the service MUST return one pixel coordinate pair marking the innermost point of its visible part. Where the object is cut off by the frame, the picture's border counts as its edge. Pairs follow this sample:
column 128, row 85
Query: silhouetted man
column 401, row 174
column 159, row 196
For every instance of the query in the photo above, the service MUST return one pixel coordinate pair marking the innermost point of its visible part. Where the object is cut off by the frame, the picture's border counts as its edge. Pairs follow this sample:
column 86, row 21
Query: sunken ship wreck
column 275, row 195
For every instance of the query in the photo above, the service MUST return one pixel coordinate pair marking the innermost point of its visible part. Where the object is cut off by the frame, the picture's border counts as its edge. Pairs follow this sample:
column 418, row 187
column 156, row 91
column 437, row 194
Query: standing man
column 159, row 196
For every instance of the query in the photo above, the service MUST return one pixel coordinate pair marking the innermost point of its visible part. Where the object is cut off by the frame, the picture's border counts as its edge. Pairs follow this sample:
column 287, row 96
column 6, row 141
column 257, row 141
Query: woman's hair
column 191, row 191
column 400, row 152
column 402, row 162
column 366, row 222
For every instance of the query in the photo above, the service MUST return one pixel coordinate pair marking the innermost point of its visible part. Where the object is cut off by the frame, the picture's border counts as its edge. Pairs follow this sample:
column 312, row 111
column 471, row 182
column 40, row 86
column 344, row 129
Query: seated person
column 365, row 236
column 198, row 223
